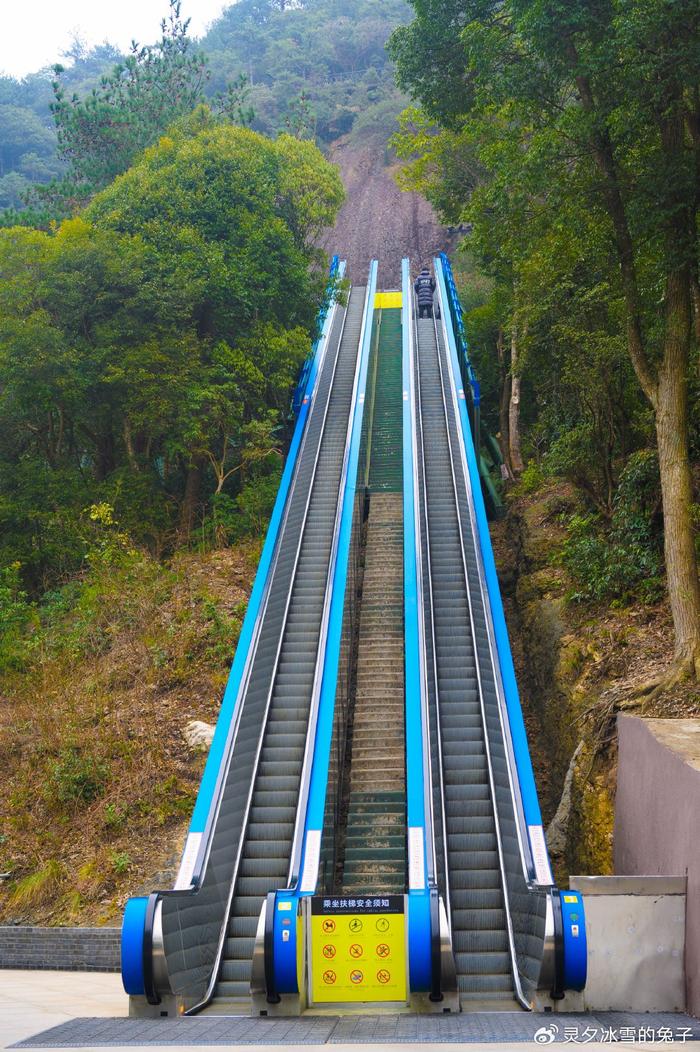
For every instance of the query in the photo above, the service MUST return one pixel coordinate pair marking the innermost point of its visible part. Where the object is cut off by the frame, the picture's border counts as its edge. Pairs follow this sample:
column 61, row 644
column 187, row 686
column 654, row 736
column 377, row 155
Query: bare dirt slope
column 379, row 221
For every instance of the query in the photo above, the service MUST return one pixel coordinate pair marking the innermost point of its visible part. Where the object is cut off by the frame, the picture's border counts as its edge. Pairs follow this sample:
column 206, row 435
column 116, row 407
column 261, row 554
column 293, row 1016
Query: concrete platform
column 39, row 1010
column 31, row 1001
column 502, row 1028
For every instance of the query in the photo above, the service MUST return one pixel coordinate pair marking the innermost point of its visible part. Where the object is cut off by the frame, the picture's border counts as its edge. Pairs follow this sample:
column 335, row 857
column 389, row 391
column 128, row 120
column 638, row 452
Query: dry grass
column 98, row 783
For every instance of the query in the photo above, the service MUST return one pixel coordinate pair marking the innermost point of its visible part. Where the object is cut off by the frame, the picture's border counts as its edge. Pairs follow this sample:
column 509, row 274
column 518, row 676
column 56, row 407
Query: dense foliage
column 147, row 347
column 28, row 144
column 314, row 66
column 317, row 69
column 568, row 135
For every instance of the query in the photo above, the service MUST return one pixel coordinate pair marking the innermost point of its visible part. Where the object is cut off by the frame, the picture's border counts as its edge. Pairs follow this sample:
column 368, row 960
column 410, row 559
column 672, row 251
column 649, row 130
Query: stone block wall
column 62, row 949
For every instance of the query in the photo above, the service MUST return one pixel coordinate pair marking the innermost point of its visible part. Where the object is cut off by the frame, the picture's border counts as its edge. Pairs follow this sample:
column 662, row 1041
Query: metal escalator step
column 263, row 867
column 457, row 751
column 482, row 941
column 277, row 783
column 237, row 970
column 482, row 984
column 271, row 818
column 483, row 963
column 228, row 991
column 270, row 830
column 238, row 948
column 472, row 920
column 268, row 848
column 480, row 936
column 476, row 898
column 468, row 879
column 256, row 886
column 241, row 926
column 274, row 798
column 475, row 772
column 463, row 843
column 247, row 904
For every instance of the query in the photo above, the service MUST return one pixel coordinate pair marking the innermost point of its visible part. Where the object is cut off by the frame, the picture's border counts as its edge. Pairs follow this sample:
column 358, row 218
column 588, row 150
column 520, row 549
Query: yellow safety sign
column 365, row 939
column 388, row 300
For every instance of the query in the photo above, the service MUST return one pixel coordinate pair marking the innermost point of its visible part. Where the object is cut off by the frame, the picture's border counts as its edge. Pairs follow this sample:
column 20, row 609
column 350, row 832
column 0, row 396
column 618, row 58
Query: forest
column 568, row 136
column 316, row 69
column 159, row 282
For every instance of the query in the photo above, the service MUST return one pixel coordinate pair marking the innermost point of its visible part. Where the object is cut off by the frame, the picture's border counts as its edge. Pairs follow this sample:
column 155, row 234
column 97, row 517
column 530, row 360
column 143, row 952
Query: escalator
column 268, row 840
column 469, row 862
column 370, row 741
column 503, row 917
column 190, row 949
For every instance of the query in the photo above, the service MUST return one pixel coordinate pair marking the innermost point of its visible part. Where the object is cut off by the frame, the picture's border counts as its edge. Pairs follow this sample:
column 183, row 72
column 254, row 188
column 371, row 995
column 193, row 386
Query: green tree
column 100, row 135
column 599, row 101
column 148, row 347
column 21, row 132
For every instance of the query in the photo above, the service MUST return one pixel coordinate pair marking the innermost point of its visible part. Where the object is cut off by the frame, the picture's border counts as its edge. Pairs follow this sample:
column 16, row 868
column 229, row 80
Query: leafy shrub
column 623, row 561
column 121, row 862
column 15, row 613
column 247, row 514
column 532, row 477
column 77, row 778
column 114, row 817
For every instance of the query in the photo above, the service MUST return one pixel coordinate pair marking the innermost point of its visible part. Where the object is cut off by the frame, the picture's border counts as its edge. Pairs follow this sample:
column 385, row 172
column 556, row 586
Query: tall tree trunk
column 696, row 308
column 504, row 373
column 129, row 443
column 190, row 498
column 516, row 459
column 667, row 390
column 676, row 478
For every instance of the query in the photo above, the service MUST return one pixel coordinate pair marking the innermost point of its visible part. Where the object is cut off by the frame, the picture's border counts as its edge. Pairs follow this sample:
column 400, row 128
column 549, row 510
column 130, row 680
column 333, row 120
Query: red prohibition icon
column 329, row 977
column 356, row 976
column 329, row 952
column 356, row 950
column 383, row 976
column 383, row 950
column 328, row 926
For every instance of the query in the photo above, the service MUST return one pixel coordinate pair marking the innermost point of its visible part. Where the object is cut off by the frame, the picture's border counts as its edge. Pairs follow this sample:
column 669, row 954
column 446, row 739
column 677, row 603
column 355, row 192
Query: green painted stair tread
column 386, row 459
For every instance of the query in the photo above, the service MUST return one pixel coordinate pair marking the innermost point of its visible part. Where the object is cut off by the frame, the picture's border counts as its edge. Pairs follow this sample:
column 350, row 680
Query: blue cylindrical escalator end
column 288, row 942
column 575, row 946
column 132, row 945
column 419, row 944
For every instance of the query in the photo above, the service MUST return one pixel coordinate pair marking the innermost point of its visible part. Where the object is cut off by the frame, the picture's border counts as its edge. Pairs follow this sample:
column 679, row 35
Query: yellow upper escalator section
column 387, row 300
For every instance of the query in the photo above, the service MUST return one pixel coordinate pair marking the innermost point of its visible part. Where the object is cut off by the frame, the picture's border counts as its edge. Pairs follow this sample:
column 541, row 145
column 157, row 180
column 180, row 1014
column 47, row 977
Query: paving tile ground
column 70, row 1010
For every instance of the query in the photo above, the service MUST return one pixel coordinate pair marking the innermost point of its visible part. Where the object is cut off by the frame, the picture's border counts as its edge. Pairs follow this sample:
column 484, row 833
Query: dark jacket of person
column 424, row 288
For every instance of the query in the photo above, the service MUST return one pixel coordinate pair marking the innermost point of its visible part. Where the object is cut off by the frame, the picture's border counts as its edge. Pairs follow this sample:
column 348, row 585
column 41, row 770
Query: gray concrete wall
column 635, row 929
column 63, row 949
column 657, row 816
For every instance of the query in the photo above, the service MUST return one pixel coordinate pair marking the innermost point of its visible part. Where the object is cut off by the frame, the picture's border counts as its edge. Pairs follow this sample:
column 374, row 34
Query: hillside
column 315, row 69
column 378, row 220
column 99, row 780
column 155, row 312
column 579, row 663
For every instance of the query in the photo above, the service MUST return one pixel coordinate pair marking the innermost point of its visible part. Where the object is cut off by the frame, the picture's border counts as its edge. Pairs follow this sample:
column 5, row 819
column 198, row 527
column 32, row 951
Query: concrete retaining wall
column 635, row 927
column 657, row 809
column 63, row 949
